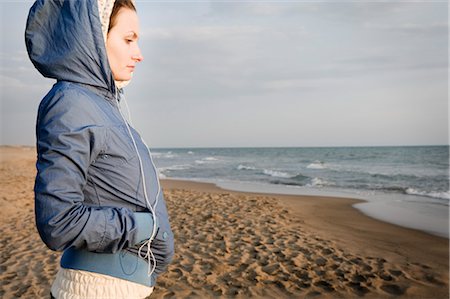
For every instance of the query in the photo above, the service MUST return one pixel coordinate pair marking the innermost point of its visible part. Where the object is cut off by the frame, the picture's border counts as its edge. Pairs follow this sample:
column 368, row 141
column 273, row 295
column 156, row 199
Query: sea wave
column 167, row 155
column 316, row 165
column 296, row 180
column 318, row 182
column 386, row 173
column 206, row 160
column 245, row 167
column 286, row 183
column 300, row 177
column 174, row 167
column 433, row 194
column 277, row 174
column 156, row 154
column 210, row 159
column 395, row 176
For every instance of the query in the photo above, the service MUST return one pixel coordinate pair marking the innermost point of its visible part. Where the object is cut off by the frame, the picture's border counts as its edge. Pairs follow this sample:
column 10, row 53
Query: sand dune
column 240, row 245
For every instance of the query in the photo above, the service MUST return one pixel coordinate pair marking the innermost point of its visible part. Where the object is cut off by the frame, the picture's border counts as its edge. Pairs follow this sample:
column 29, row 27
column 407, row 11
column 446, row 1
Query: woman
column 97, row 194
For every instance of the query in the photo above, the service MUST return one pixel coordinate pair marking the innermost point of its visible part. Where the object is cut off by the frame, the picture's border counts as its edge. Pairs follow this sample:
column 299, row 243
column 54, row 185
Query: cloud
column 234, row 66
column 216, row 61
column 204, row 62
column 201, row 33
column 427, row 29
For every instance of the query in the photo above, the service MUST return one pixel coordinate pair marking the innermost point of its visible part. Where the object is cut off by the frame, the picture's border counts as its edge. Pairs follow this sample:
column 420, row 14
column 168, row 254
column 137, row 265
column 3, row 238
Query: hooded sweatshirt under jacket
column 88, row 188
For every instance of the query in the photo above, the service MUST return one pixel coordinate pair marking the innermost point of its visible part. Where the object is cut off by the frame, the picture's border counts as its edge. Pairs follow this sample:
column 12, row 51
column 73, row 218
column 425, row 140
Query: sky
column 265, row 74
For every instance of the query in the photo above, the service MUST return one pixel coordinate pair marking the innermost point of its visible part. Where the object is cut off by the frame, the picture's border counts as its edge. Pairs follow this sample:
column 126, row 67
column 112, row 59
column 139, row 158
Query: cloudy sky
column 266, row 73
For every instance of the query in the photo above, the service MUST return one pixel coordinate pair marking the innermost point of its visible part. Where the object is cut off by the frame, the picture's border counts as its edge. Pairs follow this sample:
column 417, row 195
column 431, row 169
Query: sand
column 240, row 245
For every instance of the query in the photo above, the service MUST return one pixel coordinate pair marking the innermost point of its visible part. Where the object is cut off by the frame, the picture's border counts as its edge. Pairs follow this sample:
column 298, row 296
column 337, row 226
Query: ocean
column 412, row 178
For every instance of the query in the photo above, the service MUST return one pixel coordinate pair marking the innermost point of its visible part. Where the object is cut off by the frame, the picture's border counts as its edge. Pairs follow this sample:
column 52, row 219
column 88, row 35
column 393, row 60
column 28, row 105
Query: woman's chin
column 124, row 78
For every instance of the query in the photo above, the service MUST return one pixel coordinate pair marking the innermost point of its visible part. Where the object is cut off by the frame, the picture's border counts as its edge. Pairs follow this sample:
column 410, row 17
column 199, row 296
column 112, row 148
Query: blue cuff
column 144, row 225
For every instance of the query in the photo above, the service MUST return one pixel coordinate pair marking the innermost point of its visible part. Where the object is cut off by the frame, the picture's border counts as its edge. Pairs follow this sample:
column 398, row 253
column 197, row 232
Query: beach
column 239, row 245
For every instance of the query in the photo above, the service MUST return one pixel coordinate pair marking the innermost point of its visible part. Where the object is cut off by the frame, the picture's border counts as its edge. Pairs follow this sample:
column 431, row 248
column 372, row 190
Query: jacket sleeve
column 163, row 244
column 67, row 142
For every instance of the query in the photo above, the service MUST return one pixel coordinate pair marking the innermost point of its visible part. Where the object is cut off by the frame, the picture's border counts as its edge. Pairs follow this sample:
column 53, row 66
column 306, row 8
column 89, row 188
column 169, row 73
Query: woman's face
column 121, row 45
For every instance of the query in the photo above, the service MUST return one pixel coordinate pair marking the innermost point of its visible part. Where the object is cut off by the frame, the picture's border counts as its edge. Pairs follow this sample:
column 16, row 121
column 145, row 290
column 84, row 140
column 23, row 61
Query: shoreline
column 338, row 222
column 232, row 244
column 339, row 211
column 425, row 217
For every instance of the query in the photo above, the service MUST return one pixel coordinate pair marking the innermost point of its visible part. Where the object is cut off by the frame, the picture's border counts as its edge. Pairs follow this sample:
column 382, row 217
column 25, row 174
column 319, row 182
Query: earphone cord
column 149, row 254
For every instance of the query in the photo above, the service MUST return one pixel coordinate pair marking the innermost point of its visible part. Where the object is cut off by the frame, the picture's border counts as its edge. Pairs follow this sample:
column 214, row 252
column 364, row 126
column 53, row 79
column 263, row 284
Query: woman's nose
column 138, row 55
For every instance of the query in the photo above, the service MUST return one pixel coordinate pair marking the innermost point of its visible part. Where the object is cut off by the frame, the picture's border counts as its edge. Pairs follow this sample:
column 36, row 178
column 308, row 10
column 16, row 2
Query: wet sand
column 240, row 245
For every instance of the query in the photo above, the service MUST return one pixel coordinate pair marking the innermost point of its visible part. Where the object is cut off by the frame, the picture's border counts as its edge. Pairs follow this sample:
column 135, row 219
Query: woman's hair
column 118, row 4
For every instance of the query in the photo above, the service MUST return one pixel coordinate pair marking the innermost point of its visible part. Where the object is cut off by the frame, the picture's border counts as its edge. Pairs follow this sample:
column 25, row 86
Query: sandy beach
column 240, row 245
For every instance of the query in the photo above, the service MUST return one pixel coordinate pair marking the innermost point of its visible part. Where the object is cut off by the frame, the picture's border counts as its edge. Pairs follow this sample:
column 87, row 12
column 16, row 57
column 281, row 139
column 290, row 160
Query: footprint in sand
column 357, row 288
column 395, row 272
column 327, row 251
column 313, row 294
column 270, row 269
column 320, row 261
column 393, row 289
column 385, row 276
column 326, row 286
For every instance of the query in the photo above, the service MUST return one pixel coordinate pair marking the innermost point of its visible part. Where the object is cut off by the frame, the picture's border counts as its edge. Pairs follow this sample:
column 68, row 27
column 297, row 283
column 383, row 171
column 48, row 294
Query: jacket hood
column 66, row 40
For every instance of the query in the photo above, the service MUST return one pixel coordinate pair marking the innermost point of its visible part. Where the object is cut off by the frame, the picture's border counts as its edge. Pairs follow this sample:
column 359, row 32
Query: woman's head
column 121, row 42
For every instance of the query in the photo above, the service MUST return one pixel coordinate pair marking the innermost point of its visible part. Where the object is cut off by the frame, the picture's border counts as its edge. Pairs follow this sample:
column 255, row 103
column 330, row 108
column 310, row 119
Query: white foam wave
column 206, row 160
column 210, row 159
column 317, row 182
column 278, row 174
column 434, row 194
column 174, row 167
column 316, row 165
column 190, row 152
column 245, row 167
column 167, row 155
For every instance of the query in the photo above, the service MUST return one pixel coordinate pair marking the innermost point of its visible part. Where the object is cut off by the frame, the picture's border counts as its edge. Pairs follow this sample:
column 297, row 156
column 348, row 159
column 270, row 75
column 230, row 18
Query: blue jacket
column 89, row 199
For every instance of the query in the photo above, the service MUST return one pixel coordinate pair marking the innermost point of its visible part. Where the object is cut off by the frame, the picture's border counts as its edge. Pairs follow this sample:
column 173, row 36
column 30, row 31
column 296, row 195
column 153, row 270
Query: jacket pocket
column 115, row 171
column 117, row 150
column 163, row 249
